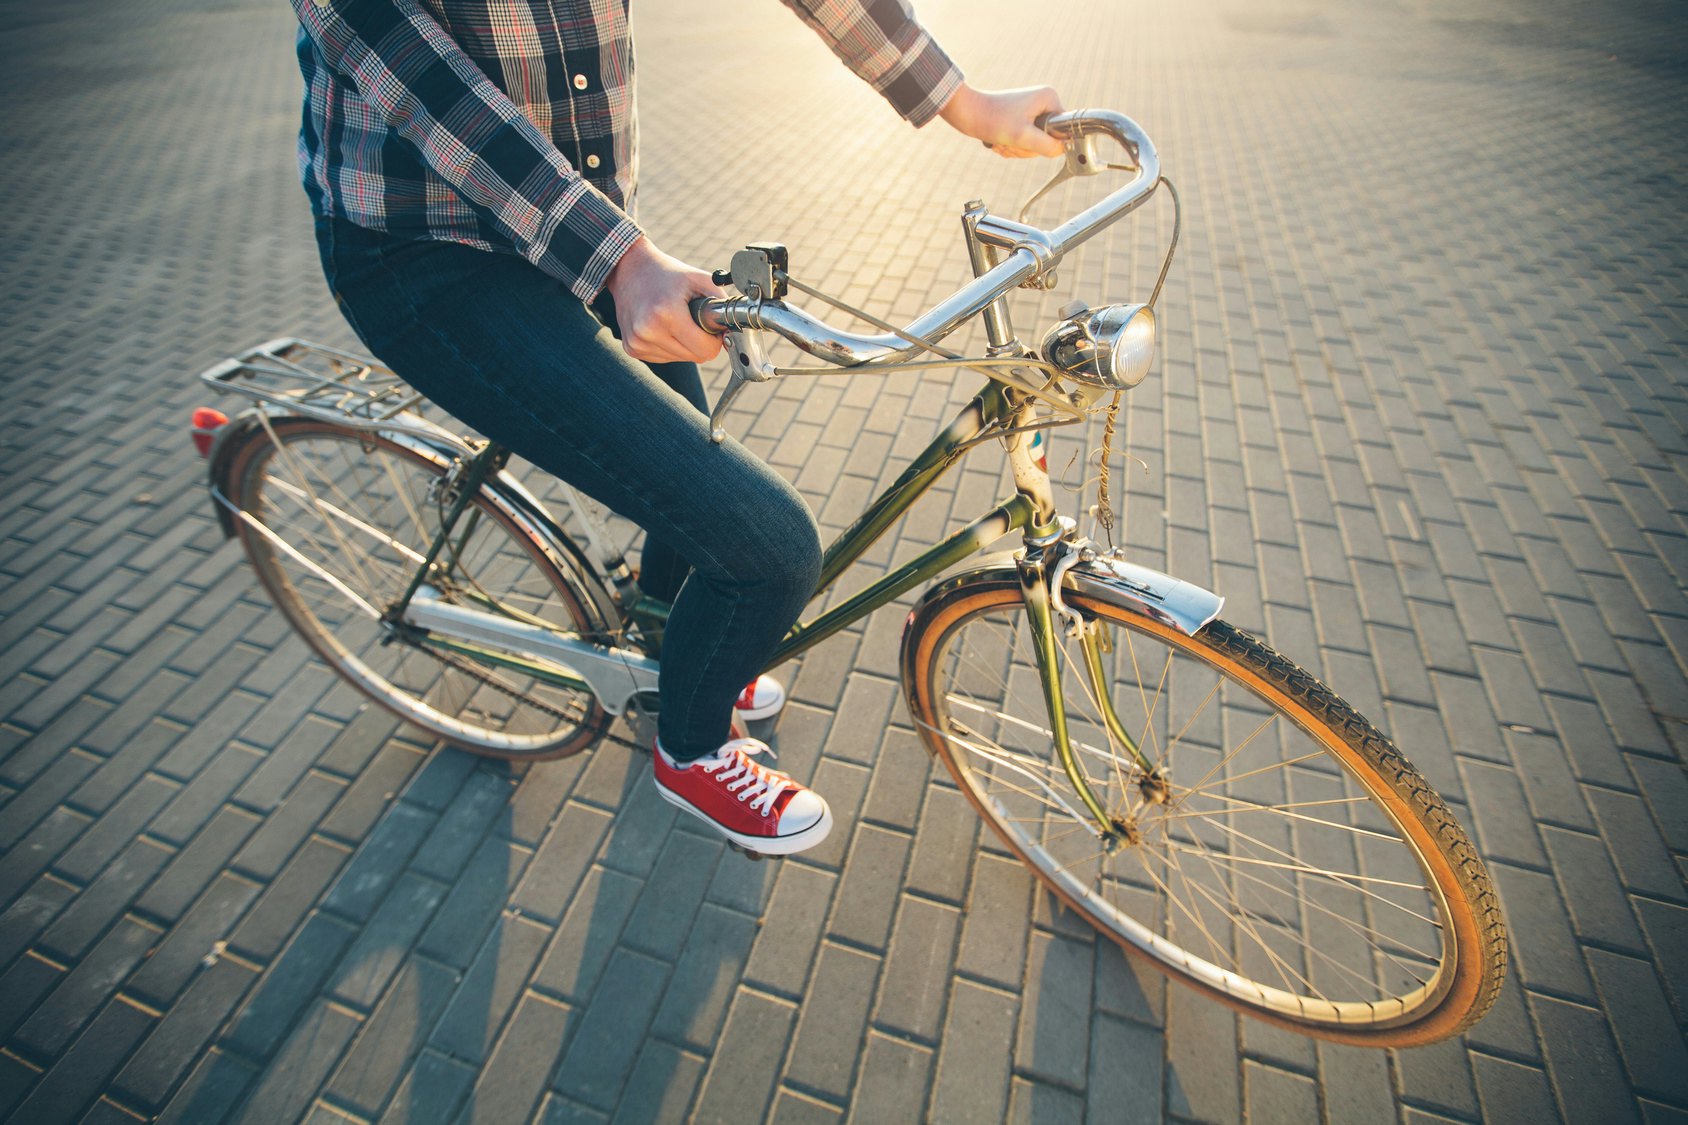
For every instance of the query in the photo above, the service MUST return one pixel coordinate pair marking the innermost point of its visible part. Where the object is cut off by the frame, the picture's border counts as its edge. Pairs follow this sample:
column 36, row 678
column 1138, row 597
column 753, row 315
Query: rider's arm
column 408, row 69
column 888, row 49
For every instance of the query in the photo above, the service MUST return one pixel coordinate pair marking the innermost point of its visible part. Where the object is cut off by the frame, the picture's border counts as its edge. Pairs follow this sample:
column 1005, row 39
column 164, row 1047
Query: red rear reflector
column 206, row 423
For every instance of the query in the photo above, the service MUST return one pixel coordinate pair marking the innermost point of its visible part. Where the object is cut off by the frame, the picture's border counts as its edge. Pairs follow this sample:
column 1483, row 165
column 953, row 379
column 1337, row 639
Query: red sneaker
column 756, row 808
column 761, row 698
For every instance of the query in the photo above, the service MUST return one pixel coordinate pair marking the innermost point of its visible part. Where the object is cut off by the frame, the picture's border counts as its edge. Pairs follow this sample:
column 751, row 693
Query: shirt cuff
column 922, row 82
column 590, row 238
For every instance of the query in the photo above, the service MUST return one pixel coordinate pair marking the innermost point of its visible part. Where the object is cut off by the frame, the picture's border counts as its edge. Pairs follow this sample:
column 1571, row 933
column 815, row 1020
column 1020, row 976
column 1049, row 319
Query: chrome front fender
column 1149, row 593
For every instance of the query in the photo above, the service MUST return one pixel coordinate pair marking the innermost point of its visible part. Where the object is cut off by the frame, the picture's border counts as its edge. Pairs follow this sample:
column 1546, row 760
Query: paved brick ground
column 1421, row 418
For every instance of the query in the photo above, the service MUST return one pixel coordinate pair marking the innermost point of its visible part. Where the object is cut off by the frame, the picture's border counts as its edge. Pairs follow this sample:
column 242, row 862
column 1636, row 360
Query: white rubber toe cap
column 805, row 810
column 761, row 700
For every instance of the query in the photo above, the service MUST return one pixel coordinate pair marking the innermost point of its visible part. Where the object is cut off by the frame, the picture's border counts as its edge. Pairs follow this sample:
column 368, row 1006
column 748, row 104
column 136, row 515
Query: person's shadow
column 502, row 938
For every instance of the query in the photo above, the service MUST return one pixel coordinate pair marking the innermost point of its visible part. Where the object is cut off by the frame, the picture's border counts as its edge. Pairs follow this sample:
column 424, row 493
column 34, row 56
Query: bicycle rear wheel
column 340, row 520
column 1286, row 859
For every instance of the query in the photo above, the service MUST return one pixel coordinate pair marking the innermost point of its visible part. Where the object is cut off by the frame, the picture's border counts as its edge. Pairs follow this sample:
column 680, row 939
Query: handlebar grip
column 706, row 313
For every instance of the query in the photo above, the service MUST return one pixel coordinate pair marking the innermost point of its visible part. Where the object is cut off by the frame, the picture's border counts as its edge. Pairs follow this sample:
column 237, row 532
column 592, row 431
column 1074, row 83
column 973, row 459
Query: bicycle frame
column 991, row 409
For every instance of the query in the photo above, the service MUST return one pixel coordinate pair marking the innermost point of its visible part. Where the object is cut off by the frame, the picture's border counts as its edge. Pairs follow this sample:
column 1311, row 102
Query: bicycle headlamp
column 1110, row 347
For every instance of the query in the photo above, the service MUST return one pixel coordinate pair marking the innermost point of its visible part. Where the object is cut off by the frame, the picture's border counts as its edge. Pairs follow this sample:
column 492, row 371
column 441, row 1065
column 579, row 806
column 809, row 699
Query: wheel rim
column 356, row 516
column 1215, row 883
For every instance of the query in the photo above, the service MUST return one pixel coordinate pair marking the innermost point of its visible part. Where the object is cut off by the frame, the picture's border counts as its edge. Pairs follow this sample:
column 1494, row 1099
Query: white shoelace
column 732, row 766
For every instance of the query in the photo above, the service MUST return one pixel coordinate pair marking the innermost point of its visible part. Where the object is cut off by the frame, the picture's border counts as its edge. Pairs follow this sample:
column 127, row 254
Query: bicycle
column 1192, row 794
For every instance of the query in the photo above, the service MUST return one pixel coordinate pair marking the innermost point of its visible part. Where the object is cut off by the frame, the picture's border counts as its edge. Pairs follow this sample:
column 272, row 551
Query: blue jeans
column 508, row 350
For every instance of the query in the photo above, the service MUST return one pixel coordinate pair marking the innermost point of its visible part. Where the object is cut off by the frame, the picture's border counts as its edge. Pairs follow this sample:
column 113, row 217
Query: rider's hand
column 651, row 291
column 1005, row 119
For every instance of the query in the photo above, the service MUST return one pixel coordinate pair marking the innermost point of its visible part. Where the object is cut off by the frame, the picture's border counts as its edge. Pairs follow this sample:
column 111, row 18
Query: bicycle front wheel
column 337, row 522
column 1280, row 855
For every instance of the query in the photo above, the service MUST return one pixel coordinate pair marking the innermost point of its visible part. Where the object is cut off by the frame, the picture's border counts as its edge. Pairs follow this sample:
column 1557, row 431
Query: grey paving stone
column 1649, row 1038
column 1500, row 816
column 373, row 791
column 1201, row 1032
column 994, row 934
column 588, row 933
column 669, row 903
column 1506, row 1088
column 1549, row 786
column 779, row 961
column 1582, row 1062
column 35, row 852
column 833, row 1019
column 75, row 1081
column 286, row 762
column 289, row 1084
column 606, row 1043
column 493, row 984
column 664, row 1081
column 202, row 797
column 1126, row 1071
column 474, row 901
column 915, row 986
column 560, row 862
column 432, row 1090
column 867, row 892
column 975, row 1056
column 389, row 1040
column 82, row 923
column 378, row 864
column 30, row 914
column 286, row 901
column 739, row 1083
column 25, row 984
column 286, row 827
column 85, row 988
column 1272, row 1094
column 384, row 941
column 1054, row 1032
column 180, row 1037
column 465, row 821
column 893, row 1079
column 196, row 865
column 944, row 846
column 708, row 969
column 1642, row 858
column 288, row 987
column 1600, row 911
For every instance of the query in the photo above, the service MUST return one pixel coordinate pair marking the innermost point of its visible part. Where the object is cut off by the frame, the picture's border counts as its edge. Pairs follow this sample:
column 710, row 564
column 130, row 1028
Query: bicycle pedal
column 746, row 852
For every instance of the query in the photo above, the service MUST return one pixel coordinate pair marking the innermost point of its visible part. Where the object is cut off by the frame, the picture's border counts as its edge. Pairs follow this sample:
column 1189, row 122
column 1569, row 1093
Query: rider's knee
column 782, row 548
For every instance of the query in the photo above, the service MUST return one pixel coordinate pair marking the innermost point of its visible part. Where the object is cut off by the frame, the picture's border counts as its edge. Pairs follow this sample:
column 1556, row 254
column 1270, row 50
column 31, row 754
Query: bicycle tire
column 369, row 535
column 1000, row 770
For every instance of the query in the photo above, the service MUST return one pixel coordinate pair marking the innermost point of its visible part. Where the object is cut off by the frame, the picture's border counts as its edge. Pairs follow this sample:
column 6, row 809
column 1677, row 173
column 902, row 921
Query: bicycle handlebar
column 1029, row 253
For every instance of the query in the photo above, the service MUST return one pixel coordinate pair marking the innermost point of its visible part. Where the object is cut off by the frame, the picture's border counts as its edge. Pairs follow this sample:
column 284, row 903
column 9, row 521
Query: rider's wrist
column 958, row 111
column 636, row 255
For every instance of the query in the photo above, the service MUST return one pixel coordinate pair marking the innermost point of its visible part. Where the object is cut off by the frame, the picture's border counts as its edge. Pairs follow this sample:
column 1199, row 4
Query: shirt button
column 580, row 82
column 593, row 161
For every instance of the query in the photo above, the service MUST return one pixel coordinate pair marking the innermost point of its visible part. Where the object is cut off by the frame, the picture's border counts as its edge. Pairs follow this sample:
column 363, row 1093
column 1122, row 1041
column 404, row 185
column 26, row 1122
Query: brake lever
column 748, row 365
column 1081, row 160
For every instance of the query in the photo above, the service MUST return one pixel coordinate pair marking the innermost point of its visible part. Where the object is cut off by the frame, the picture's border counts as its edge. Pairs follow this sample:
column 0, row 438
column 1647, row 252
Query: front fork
column 1037, row 571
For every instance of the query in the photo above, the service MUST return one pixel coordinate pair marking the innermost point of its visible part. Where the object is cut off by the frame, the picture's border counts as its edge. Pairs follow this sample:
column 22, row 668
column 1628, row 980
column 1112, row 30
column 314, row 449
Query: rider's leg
column 662, row 568
column 509, row 351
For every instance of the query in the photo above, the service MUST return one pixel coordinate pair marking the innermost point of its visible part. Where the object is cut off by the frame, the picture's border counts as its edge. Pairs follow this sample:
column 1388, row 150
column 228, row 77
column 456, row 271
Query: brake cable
column 1104, row 503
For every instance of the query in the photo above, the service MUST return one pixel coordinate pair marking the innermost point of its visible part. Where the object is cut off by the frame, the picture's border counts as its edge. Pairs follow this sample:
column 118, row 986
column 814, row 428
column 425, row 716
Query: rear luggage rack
column 321, row 382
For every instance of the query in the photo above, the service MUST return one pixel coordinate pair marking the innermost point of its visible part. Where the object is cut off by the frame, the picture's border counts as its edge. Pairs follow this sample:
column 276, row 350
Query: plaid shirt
column 509, row 124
